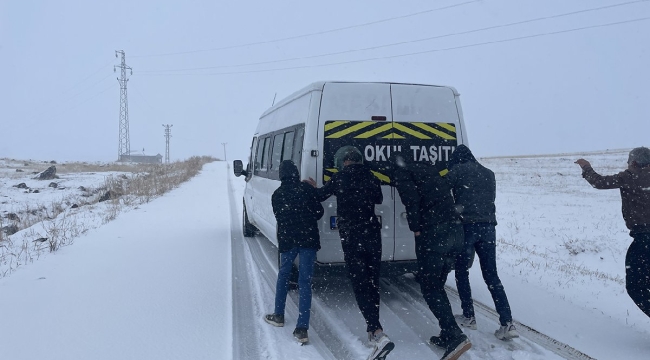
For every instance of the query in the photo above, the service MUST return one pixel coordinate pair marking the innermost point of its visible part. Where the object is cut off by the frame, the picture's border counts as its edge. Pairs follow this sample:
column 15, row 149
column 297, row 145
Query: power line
column 67, row 99
column 70, row 98
column 404, row 42
column 414, row 53
column 83, row 102
column 88, row 77
column 310, row 34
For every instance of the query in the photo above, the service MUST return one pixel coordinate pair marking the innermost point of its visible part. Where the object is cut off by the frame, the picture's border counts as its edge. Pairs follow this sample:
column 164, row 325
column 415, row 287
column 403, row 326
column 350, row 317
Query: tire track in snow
column 400, row 295
column 321, row 336
column 407, row 286
column 244, row 346
column 253, row 273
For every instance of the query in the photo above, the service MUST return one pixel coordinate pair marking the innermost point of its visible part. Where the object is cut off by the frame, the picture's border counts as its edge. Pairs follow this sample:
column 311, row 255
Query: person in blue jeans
column 297, row 211
column 474, row 189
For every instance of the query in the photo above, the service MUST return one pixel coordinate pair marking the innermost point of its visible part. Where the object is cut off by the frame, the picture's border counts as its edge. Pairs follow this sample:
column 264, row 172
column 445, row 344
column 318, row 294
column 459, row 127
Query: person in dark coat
column 433, row 219
column 357, row 191
column 634, row 185
column 297, row 211
column 474, row 189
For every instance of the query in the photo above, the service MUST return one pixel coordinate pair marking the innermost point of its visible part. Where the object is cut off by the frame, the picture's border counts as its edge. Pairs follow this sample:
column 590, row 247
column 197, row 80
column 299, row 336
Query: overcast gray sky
column 568, row 82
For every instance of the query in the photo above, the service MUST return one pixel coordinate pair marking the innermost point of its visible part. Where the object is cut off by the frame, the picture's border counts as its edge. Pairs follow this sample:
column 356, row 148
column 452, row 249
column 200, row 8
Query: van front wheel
column 248, row 228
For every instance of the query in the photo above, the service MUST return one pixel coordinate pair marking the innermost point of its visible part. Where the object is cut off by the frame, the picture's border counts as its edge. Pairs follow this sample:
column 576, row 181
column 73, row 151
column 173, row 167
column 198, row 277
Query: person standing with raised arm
column 634, row 185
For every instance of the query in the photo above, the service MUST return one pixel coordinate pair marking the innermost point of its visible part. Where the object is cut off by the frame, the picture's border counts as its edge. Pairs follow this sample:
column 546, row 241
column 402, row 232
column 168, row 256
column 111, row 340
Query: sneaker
column 456, row 348
column 301, row 335
column 507, row 332
column 382, row 347
column 274, row 319
column 468, row 322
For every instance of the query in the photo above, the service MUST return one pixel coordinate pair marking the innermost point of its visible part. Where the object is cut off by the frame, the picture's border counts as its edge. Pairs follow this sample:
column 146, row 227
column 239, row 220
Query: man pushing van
column 357, row 191
column 431, row 215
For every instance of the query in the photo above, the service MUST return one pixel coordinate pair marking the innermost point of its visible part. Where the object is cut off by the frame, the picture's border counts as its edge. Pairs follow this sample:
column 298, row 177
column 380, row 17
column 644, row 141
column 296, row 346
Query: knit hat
column 347, row 153
column 289, row 171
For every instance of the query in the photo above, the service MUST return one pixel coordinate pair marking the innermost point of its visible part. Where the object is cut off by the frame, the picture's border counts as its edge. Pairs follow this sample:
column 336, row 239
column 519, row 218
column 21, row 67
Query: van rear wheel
column 248, row 228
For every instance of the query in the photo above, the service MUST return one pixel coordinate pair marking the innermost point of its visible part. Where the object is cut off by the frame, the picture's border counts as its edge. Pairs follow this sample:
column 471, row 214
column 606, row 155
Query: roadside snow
column 153, row 284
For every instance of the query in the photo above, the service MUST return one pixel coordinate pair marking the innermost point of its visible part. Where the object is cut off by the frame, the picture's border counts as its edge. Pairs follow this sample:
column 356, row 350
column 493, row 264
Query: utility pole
column 224, row 151
column 124, row 147
column 168, row 134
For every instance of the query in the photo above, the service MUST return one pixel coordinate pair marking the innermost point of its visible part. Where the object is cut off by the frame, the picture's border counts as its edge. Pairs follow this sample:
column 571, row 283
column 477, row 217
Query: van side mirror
column 238, row 168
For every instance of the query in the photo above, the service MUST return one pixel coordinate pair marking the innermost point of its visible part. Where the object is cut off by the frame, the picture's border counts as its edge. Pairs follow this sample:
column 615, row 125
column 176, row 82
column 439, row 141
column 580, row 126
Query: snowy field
column 157, row 281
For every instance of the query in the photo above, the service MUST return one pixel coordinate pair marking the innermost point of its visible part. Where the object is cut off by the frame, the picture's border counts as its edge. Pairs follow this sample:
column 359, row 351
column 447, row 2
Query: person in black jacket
column 297, row 211
column 432, row 217
column 357, row 191
column 474, row 188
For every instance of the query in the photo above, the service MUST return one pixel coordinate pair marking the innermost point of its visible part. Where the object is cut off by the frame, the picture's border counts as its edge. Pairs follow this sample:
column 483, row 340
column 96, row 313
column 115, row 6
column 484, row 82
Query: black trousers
column 361, row 244
column 480, row 239
column 637, row 271
column 434, row 267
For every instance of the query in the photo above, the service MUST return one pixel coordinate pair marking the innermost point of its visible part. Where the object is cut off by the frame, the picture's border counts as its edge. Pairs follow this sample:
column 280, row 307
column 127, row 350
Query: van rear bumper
column 388, row 268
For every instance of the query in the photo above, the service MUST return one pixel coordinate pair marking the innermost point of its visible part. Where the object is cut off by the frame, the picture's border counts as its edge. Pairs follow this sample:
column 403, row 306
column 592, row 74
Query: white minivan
column 310, row 125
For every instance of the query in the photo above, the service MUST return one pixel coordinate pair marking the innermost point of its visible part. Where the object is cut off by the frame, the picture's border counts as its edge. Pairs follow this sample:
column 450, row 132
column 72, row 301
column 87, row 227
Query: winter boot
column 441, row 340
column 274, row 319
column 507, row 332
column 382, row 346
column 456, row 347
column 301, row 335
column 468, row 322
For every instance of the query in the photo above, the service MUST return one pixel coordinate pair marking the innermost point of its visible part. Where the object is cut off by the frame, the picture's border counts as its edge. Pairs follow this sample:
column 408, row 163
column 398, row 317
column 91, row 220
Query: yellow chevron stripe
column 394, row 136
column 333, row 124
column 410, row 131
column 447, row 126
column 327, row 178
column 435, row 131
column 334, row 170
column 444, row 172
column 349, row 130
column 373, row 132
column 381, row 176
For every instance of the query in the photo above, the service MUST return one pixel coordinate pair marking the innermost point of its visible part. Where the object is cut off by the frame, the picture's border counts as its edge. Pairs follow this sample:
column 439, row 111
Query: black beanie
column 289, row 171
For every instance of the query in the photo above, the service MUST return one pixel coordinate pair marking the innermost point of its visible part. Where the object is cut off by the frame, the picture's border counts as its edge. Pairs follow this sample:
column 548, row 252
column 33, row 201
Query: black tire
column 248, row 228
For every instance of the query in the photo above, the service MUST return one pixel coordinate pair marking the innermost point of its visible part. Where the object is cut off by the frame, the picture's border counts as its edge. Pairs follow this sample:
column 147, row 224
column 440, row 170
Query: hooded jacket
column 634, row 184
column 296, row 210
column 474, row 187
column 357, row 191
column 424, row 192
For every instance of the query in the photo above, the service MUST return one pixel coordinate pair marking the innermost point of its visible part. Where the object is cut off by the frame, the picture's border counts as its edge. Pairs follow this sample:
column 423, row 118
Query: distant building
column 142, row 159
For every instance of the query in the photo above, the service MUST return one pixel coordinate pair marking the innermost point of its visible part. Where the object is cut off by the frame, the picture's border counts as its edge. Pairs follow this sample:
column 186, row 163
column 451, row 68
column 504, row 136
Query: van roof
column 318, row 86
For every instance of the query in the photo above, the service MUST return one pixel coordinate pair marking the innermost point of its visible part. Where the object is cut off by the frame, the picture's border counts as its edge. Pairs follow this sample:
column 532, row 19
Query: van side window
column 296, row 155
column 265, row 154
column 260, row 158
column 258, row 155
column 276, row 155
column 288, row 146
column 251, row 157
